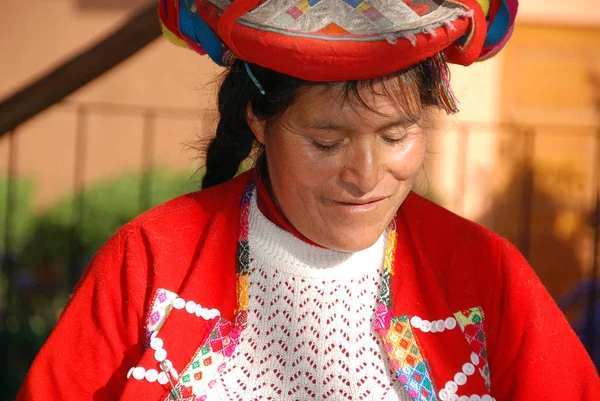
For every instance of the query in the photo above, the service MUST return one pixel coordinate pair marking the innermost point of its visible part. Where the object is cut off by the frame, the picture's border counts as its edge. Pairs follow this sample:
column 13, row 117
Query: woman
column 318, row 274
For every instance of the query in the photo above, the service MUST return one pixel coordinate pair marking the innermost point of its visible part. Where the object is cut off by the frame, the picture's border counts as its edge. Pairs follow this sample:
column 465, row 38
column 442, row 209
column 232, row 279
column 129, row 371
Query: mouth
column 361, row 202
column 364, row 205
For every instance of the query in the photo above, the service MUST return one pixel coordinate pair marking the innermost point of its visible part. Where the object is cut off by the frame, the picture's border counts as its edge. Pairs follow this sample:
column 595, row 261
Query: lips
column 361, row 202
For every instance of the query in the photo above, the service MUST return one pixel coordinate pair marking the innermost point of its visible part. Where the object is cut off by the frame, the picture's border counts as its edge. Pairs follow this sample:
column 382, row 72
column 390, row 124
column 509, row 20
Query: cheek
column 406, row 164
column 293, row 171
column 295, row 164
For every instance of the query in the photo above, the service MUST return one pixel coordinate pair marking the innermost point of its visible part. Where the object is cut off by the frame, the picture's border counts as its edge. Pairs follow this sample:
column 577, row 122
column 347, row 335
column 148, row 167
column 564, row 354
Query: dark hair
column 234, row 141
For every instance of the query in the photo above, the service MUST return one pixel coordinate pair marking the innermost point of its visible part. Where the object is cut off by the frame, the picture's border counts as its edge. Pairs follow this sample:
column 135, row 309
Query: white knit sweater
column 310, row 324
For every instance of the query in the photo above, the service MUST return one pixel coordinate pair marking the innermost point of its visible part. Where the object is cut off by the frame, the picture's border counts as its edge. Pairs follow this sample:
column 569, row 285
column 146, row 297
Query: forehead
column 365, row 103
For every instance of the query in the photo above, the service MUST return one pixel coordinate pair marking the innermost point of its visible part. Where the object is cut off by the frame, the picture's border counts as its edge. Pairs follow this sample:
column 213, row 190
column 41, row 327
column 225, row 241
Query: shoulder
column 163, row 243
column 437, row 225
column 461, row 254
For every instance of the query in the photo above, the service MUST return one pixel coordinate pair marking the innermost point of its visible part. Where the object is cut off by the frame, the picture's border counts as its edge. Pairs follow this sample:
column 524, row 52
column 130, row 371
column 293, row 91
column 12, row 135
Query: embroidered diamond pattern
column 208, row 361
column 423, row 7
column 243, row 257
column 384, row 295
column 383, row 317
column 187, row 392
column 406, row 360
column 416, row 381
column 471, row 322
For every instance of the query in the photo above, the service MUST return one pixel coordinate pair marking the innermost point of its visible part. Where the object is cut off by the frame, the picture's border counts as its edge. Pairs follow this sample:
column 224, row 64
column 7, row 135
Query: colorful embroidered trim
column 302, row 7
column 209, row 360
column 388, row 268
column 471, row 323
column 370, row 12
column 243, row 260
column 407, row 361
column 160, row 307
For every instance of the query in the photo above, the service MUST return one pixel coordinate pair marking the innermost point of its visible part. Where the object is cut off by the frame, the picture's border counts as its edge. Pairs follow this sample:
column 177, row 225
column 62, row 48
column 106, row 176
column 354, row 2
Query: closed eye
column 325, row 147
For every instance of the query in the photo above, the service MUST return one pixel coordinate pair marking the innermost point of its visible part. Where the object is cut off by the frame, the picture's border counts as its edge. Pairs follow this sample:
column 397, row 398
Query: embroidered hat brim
column 338, row 40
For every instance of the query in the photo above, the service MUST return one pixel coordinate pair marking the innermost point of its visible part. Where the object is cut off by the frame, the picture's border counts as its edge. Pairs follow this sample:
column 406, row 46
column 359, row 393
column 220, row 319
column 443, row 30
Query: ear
column 257, row 125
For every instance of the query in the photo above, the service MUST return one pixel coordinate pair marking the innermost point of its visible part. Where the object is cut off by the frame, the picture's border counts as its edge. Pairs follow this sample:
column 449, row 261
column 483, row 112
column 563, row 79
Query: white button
column 451, row 387
column 151, row 375
column 130, row 372
column 425, row 326
column 475, row 397
column 162, row 378
column 415, row 322
column 154, row 334
column 156, row 344
column 474, row 359
column 160, row 355
column 179, row 303
column 463, row 398
column 440, row 325
column 215, row 312
column 205, row 314
column 198, row 310
column 174, row 373
column 169, row 364
column 453, row 397
column 450, row 323
column 139, row 373
column 486, row 398
column 190, row 306
column 468, row 369
column 434, row 328
column 444, row 395
column 460, row 378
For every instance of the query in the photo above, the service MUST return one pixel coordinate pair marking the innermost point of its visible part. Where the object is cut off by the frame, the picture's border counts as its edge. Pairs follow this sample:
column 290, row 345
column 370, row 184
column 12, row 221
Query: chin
column 346, row 244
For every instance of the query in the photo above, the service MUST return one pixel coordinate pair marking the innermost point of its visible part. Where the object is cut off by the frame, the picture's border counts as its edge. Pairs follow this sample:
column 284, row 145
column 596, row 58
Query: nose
column 362, row 168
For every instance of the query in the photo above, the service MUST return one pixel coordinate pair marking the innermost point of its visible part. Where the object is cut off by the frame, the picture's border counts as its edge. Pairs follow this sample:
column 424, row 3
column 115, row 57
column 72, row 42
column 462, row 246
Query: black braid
column 234, row 140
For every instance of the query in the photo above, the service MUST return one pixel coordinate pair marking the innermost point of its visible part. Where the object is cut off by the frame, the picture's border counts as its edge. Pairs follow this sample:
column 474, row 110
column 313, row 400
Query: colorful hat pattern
column 338, row 40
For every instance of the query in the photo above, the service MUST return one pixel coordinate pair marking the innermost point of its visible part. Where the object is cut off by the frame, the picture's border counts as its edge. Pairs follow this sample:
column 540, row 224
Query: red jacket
column 446, row 269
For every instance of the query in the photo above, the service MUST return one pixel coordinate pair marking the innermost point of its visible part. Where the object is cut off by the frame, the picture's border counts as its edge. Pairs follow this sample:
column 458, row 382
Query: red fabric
column 169, row 16
column 469, row 52
column 443, row 264
column 494, row 7
column 320, row 60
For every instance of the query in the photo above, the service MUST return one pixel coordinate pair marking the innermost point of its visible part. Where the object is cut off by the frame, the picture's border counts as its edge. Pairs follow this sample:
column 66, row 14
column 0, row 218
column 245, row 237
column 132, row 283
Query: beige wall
column 576, row 12
column 47, row 32
column 478, row 88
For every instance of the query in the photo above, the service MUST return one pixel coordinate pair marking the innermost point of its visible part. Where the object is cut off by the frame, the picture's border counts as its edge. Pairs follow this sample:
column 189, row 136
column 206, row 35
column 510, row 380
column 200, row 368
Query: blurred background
column 99, row 117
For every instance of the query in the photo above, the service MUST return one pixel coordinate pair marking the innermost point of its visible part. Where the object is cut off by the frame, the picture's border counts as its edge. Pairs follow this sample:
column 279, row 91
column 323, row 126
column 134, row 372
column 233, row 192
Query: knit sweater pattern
column 310, row 324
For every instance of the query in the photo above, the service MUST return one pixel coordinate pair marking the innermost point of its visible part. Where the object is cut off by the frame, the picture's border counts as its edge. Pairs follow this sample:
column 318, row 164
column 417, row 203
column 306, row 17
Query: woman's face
column 339, row 171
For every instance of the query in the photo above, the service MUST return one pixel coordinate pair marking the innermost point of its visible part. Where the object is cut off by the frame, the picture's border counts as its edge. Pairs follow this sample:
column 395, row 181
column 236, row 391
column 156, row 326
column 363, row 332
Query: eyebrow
column 332, row 126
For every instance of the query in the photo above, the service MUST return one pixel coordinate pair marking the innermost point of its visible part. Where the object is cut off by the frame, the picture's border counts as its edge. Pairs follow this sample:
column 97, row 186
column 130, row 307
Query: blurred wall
column 479, row 89
column 40, row 35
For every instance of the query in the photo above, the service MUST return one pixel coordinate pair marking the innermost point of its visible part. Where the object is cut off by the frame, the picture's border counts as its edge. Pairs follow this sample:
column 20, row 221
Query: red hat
column 339, row 40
